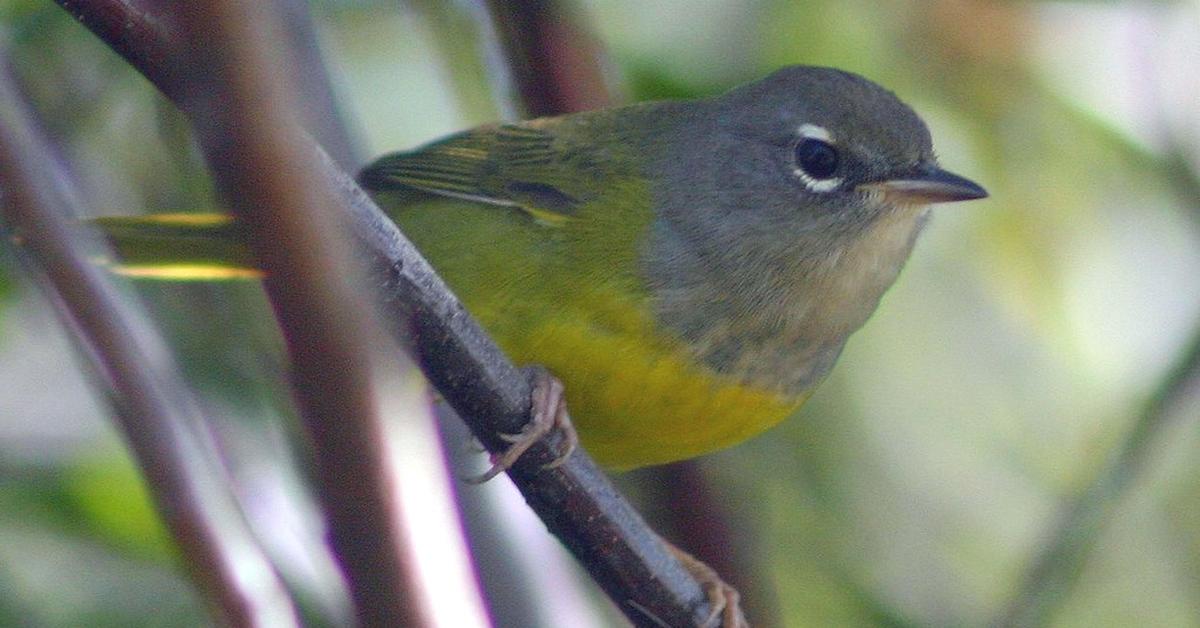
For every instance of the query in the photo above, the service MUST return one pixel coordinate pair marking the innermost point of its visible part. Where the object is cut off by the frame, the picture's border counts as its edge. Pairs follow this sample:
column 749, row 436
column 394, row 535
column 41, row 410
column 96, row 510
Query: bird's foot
column 548, row 412
column 724, row 600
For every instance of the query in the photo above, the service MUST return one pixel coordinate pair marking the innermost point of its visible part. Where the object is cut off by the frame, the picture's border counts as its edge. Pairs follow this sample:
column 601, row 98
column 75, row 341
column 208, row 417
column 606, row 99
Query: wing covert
column 520, row 165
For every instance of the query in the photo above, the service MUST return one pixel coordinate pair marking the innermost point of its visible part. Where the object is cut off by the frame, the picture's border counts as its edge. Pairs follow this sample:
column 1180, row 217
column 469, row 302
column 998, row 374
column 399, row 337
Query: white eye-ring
column 816, row 159
column 815, row 132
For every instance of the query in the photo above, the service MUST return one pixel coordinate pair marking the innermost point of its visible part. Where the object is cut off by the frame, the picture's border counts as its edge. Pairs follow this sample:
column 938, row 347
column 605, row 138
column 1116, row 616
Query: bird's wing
column 533, row 166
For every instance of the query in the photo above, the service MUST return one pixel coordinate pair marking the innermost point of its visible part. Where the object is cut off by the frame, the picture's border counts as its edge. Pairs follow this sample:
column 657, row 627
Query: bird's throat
column 784, row 324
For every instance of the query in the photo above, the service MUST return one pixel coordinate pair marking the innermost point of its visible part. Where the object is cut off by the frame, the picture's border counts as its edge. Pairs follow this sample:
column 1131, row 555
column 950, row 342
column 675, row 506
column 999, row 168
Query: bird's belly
column 635, row 395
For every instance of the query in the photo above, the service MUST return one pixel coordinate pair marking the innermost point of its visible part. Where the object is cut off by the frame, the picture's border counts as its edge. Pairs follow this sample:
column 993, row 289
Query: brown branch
column 555, row 62
column 245, row 117
column 141, row 36
column 576, row 500
column 151, row 404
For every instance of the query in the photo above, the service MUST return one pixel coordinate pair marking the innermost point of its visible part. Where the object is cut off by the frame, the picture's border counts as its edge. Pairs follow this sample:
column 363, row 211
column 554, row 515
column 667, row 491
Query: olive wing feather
column 528, row 165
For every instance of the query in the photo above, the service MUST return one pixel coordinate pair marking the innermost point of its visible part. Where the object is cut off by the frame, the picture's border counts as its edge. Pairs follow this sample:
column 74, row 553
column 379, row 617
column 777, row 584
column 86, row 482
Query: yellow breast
column 636, row 396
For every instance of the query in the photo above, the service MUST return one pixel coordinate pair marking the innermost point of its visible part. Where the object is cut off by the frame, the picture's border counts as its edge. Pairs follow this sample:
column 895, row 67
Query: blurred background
column 1006, row 442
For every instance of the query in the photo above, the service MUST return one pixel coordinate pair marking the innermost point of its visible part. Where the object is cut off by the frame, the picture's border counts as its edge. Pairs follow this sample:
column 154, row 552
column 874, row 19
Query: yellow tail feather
column 178, row 247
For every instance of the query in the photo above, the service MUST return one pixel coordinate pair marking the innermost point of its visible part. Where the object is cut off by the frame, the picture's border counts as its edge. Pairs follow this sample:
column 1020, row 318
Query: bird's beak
column 926, row 184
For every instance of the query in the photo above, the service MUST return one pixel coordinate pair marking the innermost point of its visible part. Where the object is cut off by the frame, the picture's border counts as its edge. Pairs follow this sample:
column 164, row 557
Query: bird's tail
column 178, row 247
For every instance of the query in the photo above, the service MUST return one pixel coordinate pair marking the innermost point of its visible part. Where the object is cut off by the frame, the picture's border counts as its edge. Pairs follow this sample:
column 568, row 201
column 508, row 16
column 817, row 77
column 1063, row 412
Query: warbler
column 690, row 270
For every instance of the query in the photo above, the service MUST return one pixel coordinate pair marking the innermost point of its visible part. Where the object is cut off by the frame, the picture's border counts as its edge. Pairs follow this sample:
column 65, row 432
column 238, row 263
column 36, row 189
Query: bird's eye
column 817, row 158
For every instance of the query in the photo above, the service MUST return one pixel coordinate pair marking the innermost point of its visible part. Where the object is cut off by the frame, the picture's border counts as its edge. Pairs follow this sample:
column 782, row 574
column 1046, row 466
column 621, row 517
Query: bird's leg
column 723, row 598
column 548, row 412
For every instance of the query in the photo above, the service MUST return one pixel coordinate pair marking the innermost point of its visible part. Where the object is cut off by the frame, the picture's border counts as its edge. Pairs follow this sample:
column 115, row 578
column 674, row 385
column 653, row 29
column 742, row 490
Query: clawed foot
column 548, row 413
column 724, row 600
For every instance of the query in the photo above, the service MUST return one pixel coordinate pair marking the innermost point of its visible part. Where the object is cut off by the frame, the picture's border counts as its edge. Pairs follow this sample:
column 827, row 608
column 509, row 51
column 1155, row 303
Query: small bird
column 690, row 270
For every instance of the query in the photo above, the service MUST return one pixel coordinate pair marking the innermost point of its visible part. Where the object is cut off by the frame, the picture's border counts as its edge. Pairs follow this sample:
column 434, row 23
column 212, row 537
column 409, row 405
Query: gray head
column 806, row 149
column 785, row 208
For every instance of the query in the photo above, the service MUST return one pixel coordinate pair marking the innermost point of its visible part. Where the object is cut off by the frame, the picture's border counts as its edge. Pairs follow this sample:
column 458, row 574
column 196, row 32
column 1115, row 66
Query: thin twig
column 576, row 500
column 141, row 36
column 244, row 115
column 149, row 400
column 1054, row 569
column 318, row 107
column 1060, row 559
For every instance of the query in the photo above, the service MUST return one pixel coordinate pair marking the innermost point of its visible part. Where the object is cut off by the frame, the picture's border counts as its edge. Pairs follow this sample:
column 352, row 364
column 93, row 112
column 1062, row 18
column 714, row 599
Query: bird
column 690, row 270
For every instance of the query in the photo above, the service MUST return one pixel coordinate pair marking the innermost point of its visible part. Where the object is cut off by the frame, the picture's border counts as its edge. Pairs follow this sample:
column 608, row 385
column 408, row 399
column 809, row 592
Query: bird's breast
column 780, row 321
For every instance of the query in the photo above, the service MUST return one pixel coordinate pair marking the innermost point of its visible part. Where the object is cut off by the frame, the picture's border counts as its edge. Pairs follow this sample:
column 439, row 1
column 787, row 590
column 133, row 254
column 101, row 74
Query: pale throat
column 787, row 331
column 845, row 290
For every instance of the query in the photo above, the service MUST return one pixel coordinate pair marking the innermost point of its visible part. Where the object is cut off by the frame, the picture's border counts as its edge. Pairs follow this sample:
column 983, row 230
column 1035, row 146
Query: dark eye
column 816, row 158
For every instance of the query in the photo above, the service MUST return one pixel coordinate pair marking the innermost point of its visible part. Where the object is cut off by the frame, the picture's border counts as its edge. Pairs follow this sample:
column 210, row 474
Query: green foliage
column 109, row 497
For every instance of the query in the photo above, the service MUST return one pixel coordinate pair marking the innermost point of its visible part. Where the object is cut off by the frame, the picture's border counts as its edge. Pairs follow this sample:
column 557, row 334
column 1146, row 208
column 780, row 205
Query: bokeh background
column 1012, row 394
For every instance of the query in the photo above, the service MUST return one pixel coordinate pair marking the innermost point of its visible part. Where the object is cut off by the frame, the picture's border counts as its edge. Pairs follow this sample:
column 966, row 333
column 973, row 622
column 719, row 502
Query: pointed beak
column 926, row 184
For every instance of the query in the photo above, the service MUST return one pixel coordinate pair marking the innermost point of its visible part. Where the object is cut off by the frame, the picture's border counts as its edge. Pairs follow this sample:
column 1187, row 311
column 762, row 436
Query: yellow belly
column 635, row 397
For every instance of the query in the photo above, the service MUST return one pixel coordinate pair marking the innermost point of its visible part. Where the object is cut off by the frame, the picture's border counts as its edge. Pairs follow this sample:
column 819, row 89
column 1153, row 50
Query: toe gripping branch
column 548, row 414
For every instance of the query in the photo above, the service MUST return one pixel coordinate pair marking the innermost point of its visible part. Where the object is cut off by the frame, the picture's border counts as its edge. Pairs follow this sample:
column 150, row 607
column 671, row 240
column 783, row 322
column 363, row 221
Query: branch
column 576, row 500
column 140, row 36
column 555, row 62
column 151, row 404
column 1056, row 566
column 245, row 117
column 1058, row 563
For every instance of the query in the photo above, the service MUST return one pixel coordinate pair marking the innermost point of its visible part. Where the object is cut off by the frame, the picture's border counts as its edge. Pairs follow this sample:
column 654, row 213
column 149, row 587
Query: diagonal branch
column 150, row 402
column 1054, row 569
column 244, row 112
column 576, row 500
column 1057, row 564
column 555, row 63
